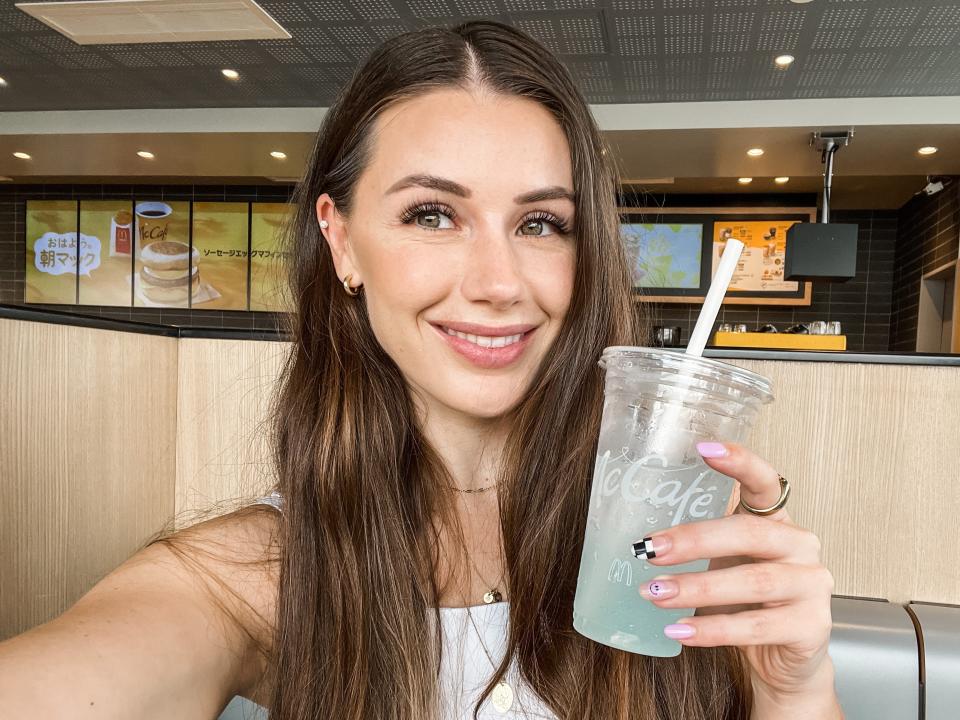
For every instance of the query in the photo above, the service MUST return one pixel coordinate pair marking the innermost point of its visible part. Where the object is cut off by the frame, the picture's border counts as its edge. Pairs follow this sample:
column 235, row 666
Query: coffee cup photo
column 153, row 219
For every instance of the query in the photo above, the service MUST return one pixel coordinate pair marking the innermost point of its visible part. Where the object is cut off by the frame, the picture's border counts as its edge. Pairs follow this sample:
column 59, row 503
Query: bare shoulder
column 175, row 631
column 231, row 563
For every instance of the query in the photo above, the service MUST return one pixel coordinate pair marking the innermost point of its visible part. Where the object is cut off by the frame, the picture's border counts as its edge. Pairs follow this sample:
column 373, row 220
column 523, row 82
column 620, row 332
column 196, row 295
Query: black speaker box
column 821, row 251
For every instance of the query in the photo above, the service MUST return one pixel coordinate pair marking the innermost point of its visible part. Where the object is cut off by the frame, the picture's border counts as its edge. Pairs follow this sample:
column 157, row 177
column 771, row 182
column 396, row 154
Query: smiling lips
column 485, row 346
column 496, row 341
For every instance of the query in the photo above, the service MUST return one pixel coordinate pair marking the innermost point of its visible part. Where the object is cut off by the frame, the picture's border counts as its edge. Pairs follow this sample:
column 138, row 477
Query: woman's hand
column 764, row 592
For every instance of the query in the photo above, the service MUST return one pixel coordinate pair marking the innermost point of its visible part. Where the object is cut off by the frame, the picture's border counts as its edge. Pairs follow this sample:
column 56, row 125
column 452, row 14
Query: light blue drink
column 648, row 475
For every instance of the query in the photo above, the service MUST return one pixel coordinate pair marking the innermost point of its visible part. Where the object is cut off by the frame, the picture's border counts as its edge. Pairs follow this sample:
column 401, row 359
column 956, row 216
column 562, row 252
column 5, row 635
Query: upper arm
column 175, row 631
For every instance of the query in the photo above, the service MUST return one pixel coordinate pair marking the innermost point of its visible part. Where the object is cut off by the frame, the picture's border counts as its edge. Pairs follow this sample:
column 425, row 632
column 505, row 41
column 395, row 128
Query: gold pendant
column 492, row 596
column 502, row 697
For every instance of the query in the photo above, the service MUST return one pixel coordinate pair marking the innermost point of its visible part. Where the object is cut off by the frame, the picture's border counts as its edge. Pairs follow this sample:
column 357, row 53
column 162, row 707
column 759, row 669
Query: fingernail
column 712, row 449
column 651, row 547
column 679, row 631
column 660, row 589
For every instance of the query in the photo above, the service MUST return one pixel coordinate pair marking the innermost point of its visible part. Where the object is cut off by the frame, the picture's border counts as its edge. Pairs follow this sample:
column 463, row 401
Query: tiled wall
column 13, row 252
column 928, row 237
column 861, row 305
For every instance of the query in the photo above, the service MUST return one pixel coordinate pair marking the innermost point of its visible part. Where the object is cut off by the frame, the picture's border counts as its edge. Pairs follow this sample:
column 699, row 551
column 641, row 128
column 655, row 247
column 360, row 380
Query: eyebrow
column 554, row 192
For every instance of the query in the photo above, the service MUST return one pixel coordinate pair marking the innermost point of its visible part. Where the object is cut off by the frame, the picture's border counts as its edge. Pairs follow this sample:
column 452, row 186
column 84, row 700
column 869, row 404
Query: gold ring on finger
column 784, row 494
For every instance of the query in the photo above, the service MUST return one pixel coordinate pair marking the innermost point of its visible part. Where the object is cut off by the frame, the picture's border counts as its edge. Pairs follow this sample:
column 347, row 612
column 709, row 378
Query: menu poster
column 163, row 274
column 106, row 234
column 220, row 247
column 761, row 264
column 267, row 264
column 51, row 257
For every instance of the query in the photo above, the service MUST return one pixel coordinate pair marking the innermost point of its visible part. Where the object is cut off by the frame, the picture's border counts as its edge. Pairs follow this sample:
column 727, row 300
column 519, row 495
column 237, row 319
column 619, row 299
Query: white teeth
column 486, row 341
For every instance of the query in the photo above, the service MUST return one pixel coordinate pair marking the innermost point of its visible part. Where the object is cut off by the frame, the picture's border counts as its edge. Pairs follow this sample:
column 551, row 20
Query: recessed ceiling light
column 744, row 181
column 21, row 155
column 800, row 2
column 230, row 74
column 145, row 154
column 755, row 152
column 781, row 180
column 784, row 60
column 3, row 83
column 927, row 150
column 278, row 155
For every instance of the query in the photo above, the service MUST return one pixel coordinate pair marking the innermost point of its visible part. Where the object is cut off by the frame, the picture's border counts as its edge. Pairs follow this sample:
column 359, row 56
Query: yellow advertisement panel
column 220, row 244
column 51, row 257
column 164, row 267
column 106, row 235
column 267, row 266
column 761, row 263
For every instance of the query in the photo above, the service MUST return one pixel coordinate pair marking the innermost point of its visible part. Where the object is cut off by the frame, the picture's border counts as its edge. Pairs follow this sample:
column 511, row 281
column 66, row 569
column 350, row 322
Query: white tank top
column 464, row 667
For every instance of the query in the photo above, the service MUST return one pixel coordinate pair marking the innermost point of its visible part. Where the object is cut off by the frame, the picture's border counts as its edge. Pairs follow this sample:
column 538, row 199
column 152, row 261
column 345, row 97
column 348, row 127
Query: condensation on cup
column 648, row 475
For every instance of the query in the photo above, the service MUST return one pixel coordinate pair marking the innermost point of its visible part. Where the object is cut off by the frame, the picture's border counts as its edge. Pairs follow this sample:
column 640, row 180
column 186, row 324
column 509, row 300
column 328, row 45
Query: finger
column 739, row 534
column 742, row 585
column 804, row 625
column 759, row 482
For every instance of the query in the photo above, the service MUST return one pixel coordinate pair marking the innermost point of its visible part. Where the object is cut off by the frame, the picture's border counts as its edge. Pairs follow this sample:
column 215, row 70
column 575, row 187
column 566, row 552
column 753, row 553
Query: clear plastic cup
column 658, row 404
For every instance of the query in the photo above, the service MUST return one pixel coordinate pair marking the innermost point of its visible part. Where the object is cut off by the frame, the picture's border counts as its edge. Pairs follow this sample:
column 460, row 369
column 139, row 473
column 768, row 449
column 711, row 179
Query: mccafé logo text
column 649, row 479
column 153, row 232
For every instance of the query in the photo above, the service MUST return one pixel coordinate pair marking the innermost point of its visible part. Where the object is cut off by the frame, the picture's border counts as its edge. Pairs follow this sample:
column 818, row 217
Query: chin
column 481, row 399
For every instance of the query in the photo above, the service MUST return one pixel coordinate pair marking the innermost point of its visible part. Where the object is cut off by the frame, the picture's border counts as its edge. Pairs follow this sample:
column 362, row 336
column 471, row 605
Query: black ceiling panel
column 620, row 51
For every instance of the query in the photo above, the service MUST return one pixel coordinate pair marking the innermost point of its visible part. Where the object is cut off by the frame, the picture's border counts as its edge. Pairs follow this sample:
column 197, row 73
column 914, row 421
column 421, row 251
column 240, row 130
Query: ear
column 337, row 238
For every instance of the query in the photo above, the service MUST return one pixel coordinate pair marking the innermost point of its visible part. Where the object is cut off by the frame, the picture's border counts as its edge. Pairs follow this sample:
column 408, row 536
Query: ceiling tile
column 617, row 51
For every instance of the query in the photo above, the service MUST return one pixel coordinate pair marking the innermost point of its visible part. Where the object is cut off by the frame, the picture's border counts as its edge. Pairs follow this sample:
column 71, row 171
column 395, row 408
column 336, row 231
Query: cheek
column 406, row 282
column 410, row 277
column 552, row 275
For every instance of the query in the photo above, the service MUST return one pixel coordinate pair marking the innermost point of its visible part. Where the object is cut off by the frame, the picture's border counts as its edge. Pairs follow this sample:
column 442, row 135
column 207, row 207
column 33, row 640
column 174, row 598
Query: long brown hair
column 359, row 479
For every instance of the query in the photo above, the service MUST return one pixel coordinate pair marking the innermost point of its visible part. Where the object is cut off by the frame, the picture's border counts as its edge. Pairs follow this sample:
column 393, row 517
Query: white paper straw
column 715, row 295
column 671, row 415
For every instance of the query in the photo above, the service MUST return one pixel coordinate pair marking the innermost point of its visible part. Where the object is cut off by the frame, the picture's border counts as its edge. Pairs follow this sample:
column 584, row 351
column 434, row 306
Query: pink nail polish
column 678, row 631
column 712, row 449
column 659, row 589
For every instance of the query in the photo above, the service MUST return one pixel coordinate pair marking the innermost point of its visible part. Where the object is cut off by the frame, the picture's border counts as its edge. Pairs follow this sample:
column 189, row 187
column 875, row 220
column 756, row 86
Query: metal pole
column 831, row 148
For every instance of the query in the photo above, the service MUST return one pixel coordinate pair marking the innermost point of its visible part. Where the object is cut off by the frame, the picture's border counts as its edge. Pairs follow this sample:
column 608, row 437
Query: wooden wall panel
column 225, row 389
column 871, row 451
column 148, row 426
column 87, row 449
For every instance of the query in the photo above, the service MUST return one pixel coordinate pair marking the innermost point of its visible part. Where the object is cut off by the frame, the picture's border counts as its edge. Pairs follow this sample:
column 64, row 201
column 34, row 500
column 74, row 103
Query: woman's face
column 443, row 240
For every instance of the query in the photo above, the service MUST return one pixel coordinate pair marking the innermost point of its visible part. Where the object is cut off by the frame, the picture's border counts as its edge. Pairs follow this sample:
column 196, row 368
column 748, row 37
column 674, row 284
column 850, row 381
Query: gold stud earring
column 350, row 290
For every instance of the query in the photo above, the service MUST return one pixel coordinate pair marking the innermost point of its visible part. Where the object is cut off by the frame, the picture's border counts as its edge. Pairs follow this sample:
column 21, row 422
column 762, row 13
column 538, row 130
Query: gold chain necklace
column 472, row 490
column 502, row 695
column 492, row 595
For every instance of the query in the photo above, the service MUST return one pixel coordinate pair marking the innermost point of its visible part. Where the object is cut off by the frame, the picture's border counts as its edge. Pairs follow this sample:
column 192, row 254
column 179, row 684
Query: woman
column 457, row 270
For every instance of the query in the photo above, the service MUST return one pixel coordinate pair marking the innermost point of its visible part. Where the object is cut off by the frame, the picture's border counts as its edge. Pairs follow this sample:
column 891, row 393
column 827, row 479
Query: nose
column 492, row 270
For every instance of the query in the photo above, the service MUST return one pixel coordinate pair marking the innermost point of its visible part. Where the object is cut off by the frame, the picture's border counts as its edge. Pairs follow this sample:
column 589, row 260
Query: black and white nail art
column 644, row 549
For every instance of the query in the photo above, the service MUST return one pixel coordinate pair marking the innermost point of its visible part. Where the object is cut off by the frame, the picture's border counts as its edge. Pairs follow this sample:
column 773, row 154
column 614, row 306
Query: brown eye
column 537, row 222
column 432, row 220
column 535, row 225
